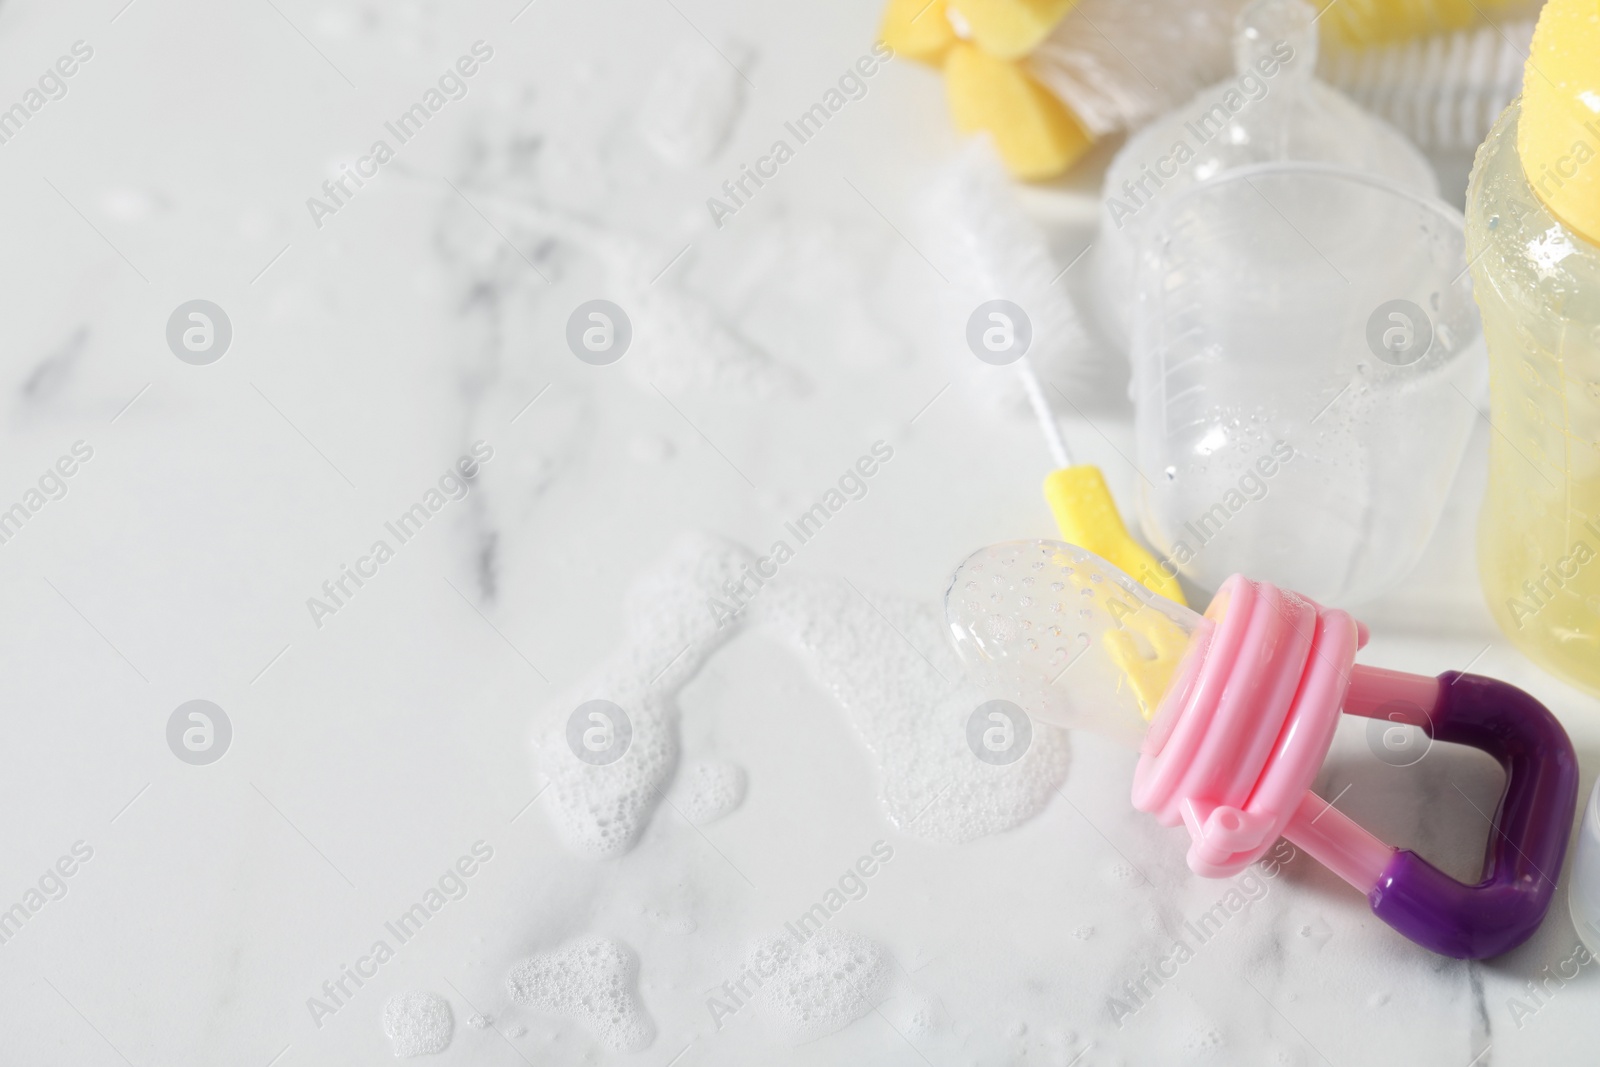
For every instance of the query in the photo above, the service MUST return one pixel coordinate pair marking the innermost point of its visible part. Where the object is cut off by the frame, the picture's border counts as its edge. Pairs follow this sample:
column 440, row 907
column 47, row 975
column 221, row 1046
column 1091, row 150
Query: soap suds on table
column 418, row 1023
column 694, row 101
column 709, row 789
column 683, row 342
column 591, row 981
column 910, row 713
column 889, row 671
column 821, row 985
column 601, row 809
column 1124, row 893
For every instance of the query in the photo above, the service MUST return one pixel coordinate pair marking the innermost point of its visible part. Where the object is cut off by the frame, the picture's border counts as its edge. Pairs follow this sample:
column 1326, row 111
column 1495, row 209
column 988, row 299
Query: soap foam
column 693, row 102
column 682, row 342
column 591, row 981
column 823, row 985
column 889, row 672
column 601, row 809
column 418, row 1023
column 670, row 633
column 786, row 266
column 919, row 1016
column 710, row 789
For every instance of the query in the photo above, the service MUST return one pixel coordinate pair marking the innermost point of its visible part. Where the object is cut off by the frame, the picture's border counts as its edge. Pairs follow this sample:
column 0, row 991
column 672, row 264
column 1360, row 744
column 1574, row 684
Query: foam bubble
column 889, row 663
column 674, row 918
column 822, row 985
column 683, row 343
column 693, row 102
column 709, row 790
column 591, row 981
column 785, row 267
column 919, row 1016
column 672, row 906
column 601, row 809
column 1204, row 1039
column 418, row 1023
column 686, row 345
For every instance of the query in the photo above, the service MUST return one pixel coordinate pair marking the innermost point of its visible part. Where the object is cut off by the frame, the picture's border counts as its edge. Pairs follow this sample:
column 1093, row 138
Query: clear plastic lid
column 1272, row 110
column 1067, row 637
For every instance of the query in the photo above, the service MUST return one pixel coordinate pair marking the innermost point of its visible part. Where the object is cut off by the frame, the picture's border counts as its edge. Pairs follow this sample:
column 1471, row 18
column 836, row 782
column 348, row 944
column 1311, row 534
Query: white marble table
column 383, row 738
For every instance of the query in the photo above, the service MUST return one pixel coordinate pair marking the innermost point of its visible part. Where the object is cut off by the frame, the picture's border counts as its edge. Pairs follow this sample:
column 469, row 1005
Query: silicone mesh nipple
column 1066, row 636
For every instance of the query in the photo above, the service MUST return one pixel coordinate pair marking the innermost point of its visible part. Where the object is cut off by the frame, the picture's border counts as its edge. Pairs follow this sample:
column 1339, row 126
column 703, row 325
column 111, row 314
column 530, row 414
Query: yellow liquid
column 1537, row 285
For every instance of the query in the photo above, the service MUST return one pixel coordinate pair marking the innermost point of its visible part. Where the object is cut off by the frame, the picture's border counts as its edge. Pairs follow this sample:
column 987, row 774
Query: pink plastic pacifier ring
column 1242, row 732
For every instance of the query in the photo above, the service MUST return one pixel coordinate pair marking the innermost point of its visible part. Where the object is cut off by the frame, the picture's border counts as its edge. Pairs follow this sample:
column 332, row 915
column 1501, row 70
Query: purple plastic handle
column 1526, row 846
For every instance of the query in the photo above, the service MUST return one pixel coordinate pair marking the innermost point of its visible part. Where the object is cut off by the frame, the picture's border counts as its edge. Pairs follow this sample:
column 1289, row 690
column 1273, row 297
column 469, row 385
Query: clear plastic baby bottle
column 1272, row 110
column 1306, row 360
column 1538, row 285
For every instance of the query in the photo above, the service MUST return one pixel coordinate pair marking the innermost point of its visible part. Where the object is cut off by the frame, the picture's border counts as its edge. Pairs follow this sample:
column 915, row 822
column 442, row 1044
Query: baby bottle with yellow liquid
column 1533, row 240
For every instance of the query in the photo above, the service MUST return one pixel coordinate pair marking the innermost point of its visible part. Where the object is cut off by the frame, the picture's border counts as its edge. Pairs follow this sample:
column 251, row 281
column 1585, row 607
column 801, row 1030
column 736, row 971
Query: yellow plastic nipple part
column 1558, row 134
column 1149, row 645
column 1144, row 646
column 1148, row 665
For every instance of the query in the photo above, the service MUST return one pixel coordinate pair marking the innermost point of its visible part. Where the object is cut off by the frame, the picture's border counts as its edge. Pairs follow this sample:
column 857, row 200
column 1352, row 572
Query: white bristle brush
column 976, row 231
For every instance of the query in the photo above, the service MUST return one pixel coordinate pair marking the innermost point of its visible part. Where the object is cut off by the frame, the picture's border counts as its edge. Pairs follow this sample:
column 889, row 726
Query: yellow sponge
column 1011, row 29
column 1558, row 133
column 917, row 29
column 1035, row 134
column 1087, row 517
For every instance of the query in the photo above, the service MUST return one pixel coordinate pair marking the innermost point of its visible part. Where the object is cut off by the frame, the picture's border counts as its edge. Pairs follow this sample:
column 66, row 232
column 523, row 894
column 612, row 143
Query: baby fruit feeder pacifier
column 1234, row 711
